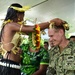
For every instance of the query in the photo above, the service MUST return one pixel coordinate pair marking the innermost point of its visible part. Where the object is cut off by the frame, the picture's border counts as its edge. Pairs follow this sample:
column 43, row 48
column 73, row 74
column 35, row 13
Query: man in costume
column 10, row 38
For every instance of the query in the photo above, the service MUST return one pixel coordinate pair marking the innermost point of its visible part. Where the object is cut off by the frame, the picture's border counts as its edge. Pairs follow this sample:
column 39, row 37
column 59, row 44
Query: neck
column 63, row 44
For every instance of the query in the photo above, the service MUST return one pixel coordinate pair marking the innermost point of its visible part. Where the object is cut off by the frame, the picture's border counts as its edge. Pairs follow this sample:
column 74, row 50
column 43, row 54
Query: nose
column 50, row 39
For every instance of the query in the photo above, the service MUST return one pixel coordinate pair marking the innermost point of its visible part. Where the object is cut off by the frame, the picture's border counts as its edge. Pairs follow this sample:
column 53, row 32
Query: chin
column 55, row 44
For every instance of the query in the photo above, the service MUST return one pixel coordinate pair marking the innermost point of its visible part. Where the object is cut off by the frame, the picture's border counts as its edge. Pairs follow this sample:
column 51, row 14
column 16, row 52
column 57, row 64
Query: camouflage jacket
column 63, row 63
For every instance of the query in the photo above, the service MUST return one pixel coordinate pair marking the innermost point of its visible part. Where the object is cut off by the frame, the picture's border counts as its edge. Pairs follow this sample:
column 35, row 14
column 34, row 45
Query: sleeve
column 44, row 57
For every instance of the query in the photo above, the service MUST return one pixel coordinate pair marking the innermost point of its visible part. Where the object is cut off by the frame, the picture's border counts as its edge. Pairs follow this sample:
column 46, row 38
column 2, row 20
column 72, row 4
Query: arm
column 43, row 25
column 27, row 29
column 42, row 70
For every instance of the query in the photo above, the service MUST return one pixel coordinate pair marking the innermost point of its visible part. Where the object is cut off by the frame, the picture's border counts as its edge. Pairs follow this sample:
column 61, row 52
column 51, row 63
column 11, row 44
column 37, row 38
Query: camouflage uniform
column 50, row 70
column 63, row 63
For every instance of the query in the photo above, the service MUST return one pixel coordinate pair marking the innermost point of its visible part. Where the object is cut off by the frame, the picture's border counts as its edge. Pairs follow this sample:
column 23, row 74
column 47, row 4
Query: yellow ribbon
column 5, row 22
column 24, row 8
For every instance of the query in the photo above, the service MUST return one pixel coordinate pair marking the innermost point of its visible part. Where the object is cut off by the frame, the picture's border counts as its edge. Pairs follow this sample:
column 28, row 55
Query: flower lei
column 34, row 38
column 37, row 30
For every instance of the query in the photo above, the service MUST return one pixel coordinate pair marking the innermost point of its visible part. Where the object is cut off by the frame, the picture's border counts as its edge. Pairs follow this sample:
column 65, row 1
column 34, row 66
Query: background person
column 34, row 61
column 46, row 45
column 72, row 38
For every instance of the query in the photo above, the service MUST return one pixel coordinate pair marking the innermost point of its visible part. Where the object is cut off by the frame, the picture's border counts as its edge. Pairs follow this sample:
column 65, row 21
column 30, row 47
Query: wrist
column 48, row 23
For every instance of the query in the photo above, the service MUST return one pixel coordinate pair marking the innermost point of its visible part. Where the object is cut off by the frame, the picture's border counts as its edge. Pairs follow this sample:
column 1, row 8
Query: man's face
column 55, row 36
column 51, row 43
column 21, row 16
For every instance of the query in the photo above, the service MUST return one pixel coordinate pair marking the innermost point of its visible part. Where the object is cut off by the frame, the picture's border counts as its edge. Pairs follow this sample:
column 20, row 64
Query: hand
column 19, row 52
column 57, row 21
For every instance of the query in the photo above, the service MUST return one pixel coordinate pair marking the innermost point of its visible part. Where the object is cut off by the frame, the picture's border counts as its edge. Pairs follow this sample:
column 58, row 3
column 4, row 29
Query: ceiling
column 45, row 10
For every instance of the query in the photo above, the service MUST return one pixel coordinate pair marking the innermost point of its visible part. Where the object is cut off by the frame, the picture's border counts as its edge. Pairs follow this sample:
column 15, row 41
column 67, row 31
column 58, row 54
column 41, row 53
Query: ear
column 61, row 32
